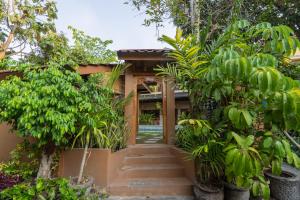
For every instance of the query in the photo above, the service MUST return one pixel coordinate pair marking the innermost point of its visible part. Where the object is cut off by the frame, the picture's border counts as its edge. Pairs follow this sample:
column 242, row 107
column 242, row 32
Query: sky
column 110, row 20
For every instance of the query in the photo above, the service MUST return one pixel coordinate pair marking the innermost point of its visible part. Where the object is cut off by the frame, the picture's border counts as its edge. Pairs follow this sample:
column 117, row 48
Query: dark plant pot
column 231, row 192
column 286, row 186
column 86, row 185
column 202, row 192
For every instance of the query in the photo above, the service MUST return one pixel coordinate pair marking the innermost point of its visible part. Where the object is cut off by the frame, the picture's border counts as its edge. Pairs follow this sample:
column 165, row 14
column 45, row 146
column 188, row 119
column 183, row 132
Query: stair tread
column 150, row 146
column 151, row 166
column 149, row 156
column 151, row 182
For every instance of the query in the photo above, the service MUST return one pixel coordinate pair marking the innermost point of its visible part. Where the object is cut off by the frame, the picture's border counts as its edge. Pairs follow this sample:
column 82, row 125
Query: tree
column 90, row 50
column 23, row 22
column 44, row 104
column 192, row 15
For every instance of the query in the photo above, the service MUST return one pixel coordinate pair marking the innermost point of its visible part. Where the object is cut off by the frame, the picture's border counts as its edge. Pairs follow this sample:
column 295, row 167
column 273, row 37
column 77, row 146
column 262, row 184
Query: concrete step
column 151, row 187
column 150, row 159
column 151, row 171
column 145, row 149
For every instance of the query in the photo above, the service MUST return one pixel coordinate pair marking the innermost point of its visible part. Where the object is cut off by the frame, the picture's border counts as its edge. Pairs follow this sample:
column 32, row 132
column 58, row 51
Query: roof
column 144, row 54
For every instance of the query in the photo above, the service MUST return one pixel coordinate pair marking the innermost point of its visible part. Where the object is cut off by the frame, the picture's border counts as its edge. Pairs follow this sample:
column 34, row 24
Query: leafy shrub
column 7, row 181
column 198, row 138
column 44, row 189
column 24, row 161
column 146, row 118
column 258, row 104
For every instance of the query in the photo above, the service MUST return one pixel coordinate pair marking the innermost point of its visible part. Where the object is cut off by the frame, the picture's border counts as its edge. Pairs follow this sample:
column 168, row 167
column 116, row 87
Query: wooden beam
column 131, row 109
column 169, row 111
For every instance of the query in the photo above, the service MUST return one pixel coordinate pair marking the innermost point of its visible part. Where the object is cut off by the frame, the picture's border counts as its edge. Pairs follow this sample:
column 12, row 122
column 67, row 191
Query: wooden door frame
column 131, row 109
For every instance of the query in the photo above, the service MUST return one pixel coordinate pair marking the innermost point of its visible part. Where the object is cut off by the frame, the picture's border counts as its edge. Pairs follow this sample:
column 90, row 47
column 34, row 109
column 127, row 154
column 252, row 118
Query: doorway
column 150, row 111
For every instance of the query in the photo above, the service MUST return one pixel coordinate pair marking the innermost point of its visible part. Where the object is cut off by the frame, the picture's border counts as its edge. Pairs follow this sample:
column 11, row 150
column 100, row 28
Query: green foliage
column 198, row 138
column 43, row 104
column 184, row 14
column 51, row 47
column 24, row 161
column 146, row 118
column 54, row 47
column 90, row 50
column 23, row 23
column 103, row 126
column 240, row 71
column 274, row 150
column 43, row 189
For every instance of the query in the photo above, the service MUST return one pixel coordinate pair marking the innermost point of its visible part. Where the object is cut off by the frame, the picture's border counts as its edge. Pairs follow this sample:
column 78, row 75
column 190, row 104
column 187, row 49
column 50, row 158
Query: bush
column 7, row 181
column 44, row 189
column 24, row 161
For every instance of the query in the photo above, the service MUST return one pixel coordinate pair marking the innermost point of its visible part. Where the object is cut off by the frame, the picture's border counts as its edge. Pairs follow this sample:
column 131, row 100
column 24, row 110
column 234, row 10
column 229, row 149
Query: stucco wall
column 101, row 164
column 186, row 162
column 8, row 141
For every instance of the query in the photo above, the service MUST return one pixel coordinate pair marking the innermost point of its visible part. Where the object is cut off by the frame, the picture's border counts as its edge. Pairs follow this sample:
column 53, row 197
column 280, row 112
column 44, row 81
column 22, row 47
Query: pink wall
column 8, row 141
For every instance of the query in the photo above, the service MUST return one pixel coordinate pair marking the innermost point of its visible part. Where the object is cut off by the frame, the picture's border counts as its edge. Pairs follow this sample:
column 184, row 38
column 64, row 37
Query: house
column 122, row 172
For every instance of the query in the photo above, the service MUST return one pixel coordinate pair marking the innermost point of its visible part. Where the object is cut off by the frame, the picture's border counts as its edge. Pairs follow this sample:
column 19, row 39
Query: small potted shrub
column 243, row 169
column 99, row 125
column 201, row 141
column 284, row 179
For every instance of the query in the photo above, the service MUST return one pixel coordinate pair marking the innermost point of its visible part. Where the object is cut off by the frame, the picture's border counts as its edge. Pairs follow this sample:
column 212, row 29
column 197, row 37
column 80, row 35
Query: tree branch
column 291, row 139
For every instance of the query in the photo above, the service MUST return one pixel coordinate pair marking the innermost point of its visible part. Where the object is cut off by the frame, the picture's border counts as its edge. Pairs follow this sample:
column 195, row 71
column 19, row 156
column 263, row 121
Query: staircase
column 151, row 170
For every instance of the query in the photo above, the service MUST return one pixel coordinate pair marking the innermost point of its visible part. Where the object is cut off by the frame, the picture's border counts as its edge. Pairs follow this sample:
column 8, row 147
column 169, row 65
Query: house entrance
column 150, row 114
column 150, row 111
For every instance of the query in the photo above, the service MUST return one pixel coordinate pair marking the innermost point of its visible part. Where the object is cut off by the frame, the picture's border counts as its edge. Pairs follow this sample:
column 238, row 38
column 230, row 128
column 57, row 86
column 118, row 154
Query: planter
column 206, row 193
column 286, row 186
column 231, row 192
column 87, row 184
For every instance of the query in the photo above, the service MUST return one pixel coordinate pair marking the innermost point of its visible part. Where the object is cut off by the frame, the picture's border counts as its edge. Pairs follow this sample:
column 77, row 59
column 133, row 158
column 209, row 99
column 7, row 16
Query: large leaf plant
column 257, row 104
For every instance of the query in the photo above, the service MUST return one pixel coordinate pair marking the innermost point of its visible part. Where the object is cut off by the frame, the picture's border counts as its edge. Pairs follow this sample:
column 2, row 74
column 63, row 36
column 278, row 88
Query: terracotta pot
column 286, row 186
column 231, row 192
column 202, row 192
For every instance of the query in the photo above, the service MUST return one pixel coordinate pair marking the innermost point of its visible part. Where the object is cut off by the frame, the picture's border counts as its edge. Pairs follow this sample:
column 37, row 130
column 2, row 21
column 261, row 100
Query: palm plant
column 103, row 125
column 197, row 137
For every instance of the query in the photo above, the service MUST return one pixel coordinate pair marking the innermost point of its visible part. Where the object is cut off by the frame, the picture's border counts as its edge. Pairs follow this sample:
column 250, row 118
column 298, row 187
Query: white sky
column 110, row 19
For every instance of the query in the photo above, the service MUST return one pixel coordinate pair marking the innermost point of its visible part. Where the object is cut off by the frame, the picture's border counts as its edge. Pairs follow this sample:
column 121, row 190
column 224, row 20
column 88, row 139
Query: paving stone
column 152, row 198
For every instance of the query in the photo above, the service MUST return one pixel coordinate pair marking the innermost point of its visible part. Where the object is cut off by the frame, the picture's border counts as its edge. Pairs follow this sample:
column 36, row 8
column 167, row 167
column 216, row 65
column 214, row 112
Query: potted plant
column 241, row 71
column 201, row 141
column 243, row 169
column 284, row 179
column 98, row 125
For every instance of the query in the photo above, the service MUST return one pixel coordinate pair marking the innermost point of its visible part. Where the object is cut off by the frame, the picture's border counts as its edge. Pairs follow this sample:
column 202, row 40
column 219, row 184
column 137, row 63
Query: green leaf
column 265, row 191
column 276, row 167
column 255, row 188
column 279, row 149
column 267, row 142
column 247, row 117
column 230, row 156
column 289, row 154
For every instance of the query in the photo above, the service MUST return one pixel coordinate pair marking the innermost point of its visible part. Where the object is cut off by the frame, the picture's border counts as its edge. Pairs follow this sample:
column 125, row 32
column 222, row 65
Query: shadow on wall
column 8, row 141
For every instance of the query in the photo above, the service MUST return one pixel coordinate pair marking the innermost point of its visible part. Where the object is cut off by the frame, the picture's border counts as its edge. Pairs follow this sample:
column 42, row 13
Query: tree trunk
column 85, row 152
column 5, row 45
column 45, row 166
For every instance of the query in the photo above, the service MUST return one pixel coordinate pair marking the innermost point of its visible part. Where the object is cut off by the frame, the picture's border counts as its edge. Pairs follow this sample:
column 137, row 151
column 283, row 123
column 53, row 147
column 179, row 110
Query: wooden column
column 169, row 111
column 131, row 109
